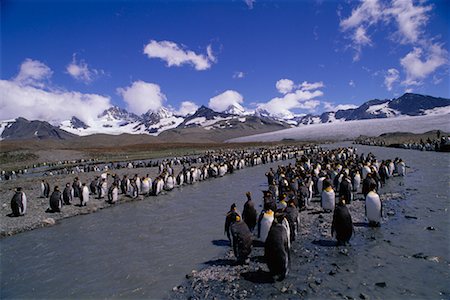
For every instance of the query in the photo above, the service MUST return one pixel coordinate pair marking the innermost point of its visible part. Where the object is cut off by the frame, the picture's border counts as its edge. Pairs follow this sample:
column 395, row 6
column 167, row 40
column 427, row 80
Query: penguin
column 401, row 168
column 365, row 170
column 276, row 251
column 356, row 182
column 374, row 208
column 249, row 213
column 55, row 201
column 19, row 203
column 113, row 194
column 180, row 179
column 241, row 240
column 229, row 219
column 345, row 189
column 264, row 223
column 145, row 185
column 84, row 195
column 169, row 184
column 46, row 189
column 67, row 195
column 42, row 189
column 342, row 223
column 320, row 184
column 292, row 216
column 328, row 199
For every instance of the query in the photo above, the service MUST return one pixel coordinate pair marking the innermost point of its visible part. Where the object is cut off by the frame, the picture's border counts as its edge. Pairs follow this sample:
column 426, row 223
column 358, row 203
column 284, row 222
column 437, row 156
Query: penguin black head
column 18, row 189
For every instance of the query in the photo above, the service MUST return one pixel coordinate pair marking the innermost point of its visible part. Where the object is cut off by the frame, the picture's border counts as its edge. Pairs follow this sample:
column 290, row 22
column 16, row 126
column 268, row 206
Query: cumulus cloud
column 390, row 78
column 175, row 55
column 34, row 73
column 238, row 75
column 27, row 95
column 284, row 86
column 300, row 98
column 186, row 108
column 80, row 70
column 142, row 96
column 351, row 83
column 331, row 107
column 222, row 101
column 419, row 65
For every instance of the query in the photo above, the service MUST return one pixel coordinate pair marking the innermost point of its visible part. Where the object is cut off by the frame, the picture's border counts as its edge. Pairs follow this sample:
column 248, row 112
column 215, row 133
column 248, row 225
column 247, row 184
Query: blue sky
column 67, row 54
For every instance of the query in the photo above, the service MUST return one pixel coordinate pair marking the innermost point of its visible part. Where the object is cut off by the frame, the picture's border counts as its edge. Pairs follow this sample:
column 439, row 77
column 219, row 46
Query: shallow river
column 143, row 249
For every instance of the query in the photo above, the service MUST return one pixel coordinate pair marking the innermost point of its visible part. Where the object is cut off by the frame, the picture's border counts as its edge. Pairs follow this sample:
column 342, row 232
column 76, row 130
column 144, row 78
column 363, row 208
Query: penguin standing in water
column 342, row 223
column 374, row 207
column 249, row 214
column 241, row 240
column 19, row 203
column 276, row 250
column 229, row 219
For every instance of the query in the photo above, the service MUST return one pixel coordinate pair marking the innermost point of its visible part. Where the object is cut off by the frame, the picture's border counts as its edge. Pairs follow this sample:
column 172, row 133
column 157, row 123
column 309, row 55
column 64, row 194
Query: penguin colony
column 108, row 186
column 330, row 175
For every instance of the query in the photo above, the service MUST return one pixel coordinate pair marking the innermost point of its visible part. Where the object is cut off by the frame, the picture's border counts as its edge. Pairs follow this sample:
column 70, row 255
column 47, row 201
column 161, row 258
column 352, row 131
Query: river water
column 137, row 249
column 143, row 249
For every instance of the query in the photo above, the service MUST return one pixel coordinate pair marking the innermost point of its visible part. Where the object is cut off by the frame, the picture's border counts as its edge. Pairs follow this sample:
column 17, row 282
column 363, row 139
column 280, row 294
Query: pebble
column 332, row 273
column 364, row 296
column 381, row 284
column 391, row 213
column 344, row 252
column 431, row 228
column 49, row 221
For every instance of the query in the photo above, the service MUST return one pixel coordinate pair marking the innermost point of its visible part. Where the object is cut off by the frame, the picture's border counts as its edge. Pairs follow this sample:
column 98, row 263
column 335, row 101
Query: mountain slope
column 21, row 128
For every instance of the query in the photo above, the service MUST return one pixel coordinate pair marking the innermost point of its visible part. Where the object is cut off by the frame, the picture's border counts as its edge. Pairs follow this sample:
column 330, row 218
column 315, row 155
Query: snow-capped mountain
column 407, row 105
column 236, row 109
column 235, row 119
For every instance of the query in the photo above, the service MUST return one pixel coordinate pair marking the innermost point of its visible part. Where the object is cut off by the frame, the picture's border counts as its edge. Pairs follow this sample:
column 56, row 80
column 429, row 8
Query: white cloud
column 351, row 83
column 175, row 55
column 238, row 75
column 54, row 106
column 186, row 108
column 331, row 107
column 223, row 101
column 307, row 86
column 142, row 96
column 390, row 78
column 34, row 73
column 28, row 96
column 284, row 86
column 410, row 19
column 418, row 66
column 301, row 98
column 80, row 70
column 250, row 3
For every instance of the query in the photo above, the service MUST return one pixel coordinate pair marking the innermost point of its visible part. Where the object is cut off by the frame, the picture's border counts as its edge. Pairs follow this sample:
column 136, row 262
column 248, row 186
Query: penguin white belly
column 159, row 186
column 373, row 207
column 285, row 224
column 320, row 184
column 145, row 186
column 328, row 200
column 222, row 171
column 85, row 195
column 169, row 184
column 401, row 169
column 266, row 223
column 357, row 182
